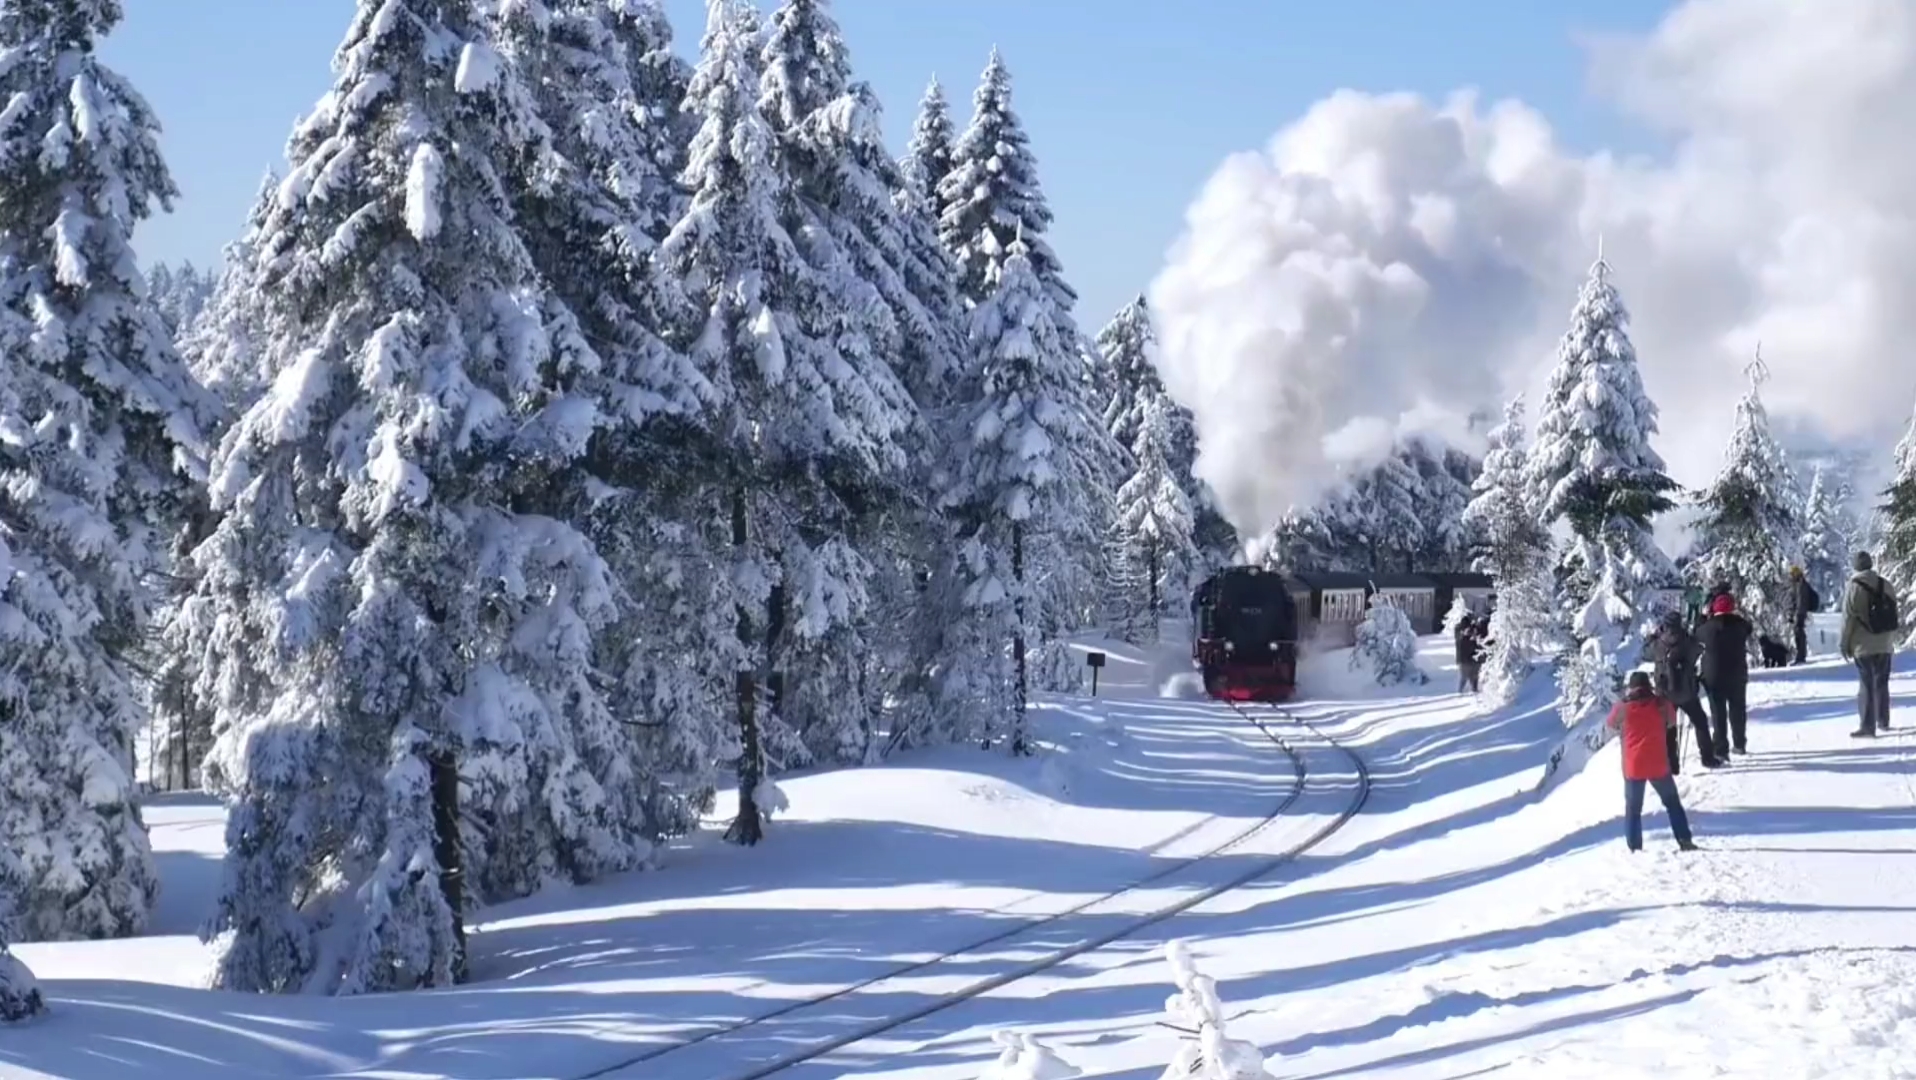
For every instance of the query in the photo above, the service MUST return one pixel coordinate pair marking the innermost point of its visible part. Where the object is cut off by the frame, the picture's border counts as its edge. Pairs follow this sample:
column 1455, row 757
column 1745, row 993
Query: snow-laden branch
column 1214, row 1055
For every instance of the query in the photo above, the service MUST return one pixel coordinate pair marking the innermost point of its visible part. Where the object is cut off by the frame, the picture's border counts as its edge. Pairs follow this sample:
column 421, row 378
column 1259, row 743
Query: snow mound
column 1025, row 1058
column 1184, row 686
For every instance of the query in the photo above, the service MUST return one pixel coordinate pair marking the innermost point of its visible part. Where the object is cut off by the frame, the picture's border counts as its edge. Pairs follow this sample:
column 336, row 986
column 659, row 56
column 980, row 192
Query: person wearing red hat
column 1726, row 638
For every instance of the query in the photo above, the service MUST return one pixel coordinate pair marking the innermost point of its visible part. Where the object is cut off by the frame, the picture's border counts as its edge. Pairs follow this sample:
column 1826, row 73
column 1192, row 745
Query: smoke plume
column 1389, row 264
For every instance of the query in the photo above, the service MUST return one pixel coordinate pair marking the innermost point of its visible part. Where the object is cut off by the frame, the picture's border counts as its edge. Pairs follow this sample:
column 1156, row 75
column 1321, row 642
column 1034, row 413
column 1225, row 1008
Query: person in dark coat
column 1675, row 652
column 1472, row 631
column 1725, row 638
column 1803, row 601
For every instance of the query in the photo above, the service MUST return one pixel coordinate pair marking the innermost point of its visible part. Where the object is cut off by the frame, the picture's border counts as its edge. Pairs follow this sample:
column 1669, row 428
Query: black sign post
column 1096, row 660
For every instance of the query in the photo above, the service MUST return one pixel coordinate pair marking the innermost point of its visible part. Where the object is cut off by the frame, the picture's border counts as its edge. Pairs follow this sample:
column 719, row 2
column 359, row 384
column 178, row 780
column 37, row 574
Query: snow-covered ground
column 1452, row 929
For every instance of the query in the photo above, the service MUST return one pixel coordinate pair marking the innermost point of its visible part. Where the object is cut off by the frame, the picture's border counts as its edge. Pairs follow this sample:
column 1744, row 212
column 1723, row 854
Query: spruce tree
column 219, row 347
column 1895, row 523
column 992, row 199
column 1021, row 491
column 1391, row 497
column 1823, row 545
column 1514, row 549
column 1154, row 520
column 404, row 621
column 927, row 159
column 1748, row 525
column 800, row 428
column 99, row 447
column 1592, row 469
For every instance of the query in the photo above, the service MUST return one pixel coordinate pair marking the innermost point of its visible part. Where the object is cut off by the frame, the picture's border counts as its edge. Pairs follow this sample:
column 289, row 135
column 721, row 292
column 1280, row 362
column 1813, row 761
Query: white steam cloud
column 1390, row 265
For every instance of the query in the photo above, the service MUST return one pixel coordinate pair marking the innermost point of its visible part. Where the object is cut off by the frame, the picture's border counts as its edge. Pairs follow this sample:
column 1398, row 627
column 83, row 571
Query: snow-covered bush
column 1025, row 1058
column 1387, row 644
column 1196, row 1008
column 19, row 992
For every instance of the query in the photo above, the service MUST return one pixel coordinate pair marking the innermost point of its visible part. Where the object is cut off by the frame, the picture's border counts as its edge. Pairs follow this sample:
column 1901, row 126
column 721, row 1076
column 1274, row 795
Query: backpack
column 1812, row 600
column 1880, row 616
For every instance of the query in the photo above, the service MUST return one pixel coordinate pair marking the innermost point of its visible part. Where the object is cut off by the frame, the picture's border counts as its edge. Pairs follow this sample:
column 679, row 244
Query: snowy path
column 1492, row 940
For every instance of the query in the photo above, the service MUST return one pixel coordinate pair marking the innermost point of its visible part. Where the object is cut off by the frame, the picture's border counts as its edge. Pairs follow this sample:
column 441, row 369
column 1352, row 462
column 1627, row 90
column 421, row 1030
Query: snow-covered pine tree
column 404, row 632
column 99, row 453
column 927, row 158
column 178, row 294
column 804, row 423
column 1445, row 477
column 895, row 297
column 1749, row 522
column 596, row 197
column 1514, row 549
column 1895, row 521
column 1591, row 467
column 1823, row 545
column 218, row 345
column 1154, row 517
column 992, row 198
column 1127, row 343
column 1391, row 498
column 658, row 77
column 1021, row 493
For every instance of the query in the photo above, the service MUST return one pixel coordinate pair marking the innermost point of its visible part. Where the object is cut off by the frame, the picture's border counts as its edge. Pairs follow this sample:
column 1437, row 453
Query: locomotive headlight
column 1273, row 646
column 1230, row 646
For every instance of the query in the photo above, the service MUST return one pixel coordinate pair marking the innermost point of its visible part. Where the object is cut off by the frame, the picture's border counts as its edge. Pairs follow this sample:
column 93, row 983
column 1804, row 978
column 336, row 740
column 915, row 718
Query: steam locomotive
column 1244, row 635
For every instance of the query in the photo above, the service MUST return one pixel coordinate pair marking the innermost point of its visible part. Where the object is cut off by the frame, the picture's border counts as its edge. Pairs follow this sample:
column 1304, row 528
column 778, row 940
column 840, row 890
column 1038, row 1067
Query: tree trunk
column 748, row 827
column 446, row 848
column 1152, row 557
column 1022, row 686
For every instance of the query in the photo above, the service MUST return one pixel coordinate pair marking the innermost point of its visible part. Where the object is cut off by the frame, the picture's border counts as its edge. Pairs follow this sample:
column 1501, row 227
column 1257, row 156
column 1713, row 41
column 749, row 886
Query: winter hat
column 1863, row 562
column 1639, row 682
column 1723, row 605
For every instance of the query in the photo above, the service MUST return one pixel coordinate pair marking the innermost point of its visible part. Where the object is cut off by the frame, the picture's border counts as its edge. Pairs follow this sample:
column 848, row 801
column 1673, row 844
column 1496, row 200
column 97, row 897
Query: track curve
column 842, row 1031
column 1025, row 927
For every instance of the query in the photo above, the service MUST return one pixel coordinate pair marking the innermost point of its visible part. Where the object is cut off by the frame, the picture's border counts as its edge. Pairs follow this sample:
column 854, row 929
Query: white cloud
column 1387, row 258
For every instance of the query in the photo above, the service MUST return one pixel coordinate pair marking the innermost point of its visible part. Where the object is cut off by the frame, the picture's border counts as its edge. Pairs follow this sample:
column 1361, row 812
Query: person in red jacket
column 1641, row 719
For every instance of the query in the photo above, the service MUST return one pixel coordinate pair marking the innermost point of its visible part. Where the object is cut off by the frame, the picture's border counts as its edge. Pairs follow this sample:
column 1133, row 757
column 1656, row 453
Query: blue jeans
column 1872, row 691
column 1633, row 810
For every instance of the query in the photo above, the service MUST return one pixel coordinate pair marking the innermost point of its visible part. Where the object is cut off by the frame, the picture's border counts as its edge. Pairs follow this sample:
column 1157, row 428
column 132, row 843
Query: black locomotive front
column 1244, row 635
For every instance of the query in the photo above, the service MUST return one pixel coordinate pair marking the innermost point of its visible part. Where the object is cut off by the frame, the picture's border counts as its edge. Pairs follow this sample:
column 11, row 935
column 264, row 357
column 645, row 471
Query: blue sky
column 1130, row 103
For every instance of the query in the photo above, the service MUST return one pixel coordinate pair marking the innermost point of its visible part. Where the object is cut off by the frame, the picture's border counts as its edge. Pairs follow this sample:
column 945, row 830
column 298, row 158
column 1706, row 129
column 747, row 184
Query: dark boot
column 1863, row 733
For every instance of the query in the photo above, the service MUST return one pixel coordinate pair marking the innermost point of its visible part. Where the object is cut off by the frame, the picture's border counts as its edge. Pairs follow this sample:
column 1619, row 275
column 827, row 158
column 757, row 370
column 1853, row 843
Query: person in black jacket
column 1725, row 639
column 1472, row 630
column 1675, row 652
column 1803, row 601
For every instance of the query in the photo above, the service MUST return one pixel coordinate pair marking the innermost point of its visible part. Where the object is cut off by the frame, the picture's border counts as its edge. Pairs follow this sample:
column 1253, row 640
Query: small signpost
column 1096, row 660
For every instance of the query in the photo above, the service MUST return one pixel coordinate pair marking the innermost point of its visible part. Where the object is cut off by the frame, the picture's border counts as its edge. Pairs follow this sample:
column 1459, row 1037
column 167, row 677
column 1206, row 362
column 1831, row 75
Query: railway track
column 806, row 1030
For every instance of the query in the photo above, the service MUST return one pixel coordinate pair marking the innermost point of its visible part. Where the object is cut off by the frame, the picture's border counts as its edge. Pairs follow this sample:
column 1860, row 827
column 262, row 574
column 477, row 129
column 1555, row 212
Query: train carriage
column 1244, row 631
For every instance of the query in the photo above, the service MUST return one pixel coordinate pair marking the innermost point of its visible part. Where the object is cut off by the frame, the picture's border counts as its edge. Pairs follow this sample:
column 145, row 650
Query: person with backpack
column 1674, row 652
column 1726, row 638
column 1871, row 624
column 1640, row 721
column 1803, row 602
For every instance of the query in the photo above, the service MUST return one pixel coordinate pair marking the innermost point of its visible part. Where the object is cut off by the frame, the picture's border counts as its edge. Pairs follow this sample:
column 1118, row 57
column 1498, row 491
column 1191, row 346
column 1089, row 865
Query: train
column 1244, row 635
